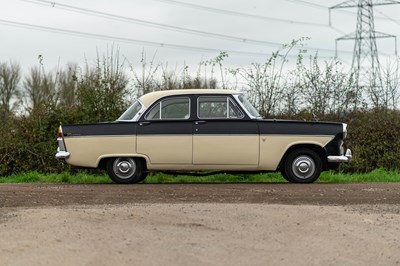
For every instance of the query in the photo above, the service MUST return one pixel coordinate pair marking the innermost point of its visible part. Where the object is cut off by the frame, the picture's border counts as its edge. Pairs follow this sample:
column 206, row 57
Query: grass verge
column 378, row 175
column 35, row 177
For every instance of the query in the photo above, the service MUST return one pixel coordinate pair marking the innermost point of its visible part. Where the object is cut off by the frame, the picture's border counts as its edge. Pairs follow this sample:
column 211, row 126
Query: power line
column 240, row 14
column 116, row 17
column 310, row 4
column 386, row 16
column 126, row 40
column 305, row 3
column 366, row 65
column 148, row 23
column 393, row 20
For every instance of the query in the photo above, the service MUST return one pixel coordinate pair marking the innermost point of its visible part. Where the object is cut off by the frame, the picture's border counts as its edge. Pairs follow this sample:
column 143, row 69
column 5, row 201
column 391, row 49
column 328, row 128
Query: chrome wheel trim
column 303, row 167
column 124, row 168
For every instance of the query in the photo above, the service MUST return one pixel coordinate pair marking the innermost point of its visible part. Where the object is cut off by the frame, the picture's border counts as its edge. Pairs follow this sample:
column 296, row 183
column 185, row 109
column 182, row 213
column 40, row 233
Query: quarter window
column 218, row 107
column 133, row 112
column 173, row 108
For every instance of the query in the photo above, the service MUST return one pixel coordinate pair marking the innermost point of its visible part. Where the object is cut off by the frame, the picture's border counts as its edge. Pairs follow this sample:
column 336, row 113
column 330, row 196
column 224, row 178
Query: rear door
column 223, row 134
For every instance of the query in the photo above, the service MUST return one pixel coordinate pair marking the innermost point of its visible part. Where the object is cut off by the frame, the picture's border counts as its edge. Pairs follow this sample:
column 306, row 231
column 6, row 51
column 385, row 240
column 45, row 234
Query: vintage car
column 202, row 130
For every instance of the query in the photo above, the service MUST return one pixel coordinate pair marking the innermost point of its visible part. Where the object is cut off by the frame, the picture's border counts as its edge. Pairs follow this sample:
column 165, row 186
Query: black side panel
column 165, row 128
column 101, row 129
column 333, row 147
column 226, row 127
column 306, row 128
column 299, row 128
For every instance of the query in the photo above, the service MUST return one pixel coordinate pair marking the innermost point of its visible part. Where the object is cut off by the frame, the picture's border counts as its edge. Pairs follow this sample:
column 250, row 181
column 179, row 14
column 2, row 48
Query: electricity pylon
column 365, row 64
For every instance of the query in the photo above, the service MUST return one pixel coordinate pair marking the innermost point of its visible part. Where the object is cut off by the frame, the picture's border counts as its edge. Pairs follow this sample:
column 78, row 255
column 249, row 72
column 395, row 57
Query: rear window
column 172, row 108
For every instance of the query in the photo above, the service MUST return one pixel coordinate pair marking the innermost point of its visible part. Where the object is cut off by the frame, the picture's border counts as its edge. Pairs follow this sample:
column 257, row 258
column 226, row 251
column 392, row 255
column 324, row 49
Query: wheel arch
column 103, row 160
column 314, row 147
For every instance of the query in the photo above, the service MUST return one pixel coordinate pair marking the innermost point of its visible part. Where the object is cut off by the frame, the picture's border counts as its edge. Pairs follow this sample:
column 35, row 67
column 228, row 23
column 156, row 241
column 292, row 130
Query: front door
column 222, row 135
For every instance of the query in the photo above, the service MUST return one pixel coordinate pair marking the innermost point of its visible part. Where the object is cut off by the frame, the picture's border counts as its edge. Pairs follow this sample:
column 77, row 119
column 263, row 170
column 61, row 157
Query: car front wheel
column 302, row 166
column 126, row 170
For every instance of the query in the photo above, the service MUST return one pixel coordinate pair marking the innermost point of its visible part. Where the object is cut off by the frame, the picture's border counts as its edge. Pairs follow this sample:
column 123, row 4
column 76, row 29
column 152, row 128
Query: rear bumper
column 62, row 154
column 61, row 151
column 341, row 158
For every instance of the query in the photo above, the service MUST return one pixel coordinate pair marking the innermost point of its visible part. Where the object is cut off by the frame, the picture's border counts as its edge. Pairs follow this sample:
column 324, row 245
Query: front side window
column 217, row 107
column 173, row 108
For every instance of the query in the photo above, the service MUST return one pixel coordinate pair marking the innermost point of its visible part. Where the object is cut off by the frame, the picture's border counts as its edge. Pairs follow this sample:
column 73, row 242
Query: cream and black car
column 202, row 130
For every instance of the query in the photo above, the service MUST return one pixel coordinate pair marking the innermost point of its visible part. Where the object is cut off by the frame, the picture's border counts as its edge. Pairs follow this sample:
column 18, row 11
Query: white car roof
column 151, row 97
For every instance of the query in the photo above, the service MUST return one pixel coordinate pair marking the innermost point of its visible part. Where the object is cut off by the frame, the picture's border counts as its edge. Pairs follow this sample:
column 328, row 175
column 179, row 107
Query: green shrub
column 373, row 137
column 374, row 140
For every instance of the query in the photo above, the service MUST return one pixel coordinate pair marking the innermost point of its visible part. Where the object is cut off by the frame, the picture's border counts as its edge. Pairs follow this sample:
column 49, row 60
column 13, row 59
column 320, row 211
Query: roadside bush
column 373, row 137
column 101, row 90
column 28, row 125
column 374, row 140
column 28, row 143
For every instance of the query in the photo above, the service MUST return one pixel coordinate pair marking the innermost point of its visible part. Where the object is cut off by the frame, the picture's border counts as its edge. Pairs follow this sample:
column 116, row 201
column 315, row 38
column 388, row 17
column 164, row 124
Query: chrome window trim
column 137, row 116
column 101, row 136
column 297, row 135
column 165, row 99
column 227, row 107
column 236, row 96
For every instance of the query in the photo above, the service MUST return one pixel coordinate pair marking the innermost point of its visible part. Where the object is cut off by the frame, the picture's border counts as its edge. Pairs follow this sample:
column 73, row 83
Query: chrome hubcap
column 124, row 168
column 303, row 167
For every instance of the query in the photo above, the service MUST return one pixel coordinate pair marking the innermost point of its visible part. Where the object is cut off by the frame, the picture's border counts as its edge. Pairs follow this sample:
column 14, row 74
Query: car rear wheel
column 126, row 170
column 302, row 166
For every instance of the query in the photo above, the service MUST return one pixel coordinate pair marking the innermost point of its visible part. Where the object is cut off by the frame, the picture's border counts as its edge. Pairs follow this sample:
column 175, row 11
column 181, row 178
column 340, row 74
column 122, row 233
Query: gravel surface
column 33, row 195
column 200, row 224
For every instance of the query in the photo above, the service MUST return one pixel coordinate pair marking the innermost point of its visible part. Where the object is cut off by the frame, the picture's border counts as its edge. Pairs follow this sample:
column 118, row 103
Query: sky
column 178, row 31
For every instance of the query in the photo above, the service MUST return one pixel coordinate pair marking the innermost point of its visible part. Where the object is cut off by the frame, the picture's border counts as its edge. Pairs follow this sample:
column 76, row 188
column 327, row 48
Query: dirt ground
column 200, row 224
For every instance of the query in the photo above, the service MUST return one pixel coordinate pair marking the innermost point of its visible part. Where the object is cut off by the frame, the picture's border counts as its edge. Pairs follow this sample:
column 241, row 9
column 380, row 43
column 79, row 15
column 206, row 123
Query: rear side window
column 173, row 108
column 215, row 107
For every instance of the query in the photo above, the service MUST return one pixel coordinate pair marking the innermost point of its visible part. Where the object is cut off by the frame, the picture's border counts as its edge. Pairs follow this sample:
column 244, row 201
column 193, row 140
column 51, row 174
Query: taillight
column 60, row 134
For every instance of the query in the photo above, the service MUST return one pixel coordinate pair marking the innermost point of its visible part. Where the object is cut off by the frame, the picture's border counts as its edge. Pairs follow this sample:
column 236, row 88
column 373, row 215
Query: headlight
column 344, row 131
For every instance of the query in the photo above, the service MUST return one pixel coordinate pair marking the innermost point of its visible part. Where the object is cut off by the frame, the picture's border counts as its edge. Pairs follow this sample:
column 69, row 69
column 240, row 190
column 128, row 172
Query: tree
column 265, row 80
column 10, row 76
column 40, row 90
column 102, row 90
column 145, row 80
column 391, row 84
column 328, row 89
column 67, row 83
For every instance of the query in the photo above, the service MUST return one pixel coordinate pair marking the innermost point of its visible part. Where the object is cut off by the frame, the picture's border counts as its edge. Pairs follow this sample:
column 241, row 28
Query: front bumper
column 342, row 158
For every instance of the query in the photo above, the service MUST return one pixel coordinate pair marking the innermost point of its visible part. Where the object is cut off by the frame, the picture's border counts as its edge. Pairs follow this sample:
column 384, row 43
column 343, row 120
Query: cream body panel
column 192, row 167
column 166, row 149
column 272, row 148
column 88, row 151
column 225, row 150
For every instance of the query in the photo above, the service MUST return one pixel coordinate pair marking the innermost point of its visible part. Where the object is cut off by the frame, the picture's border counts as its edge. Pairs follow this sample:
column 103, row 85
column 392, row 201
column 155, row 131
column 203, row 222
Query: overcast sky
column 214, row 25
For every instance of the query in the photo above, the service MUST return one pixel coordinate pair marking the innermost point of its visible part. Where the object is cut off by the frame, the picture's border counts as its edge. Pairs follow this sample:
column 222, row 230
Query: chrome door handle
column 142, row 124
